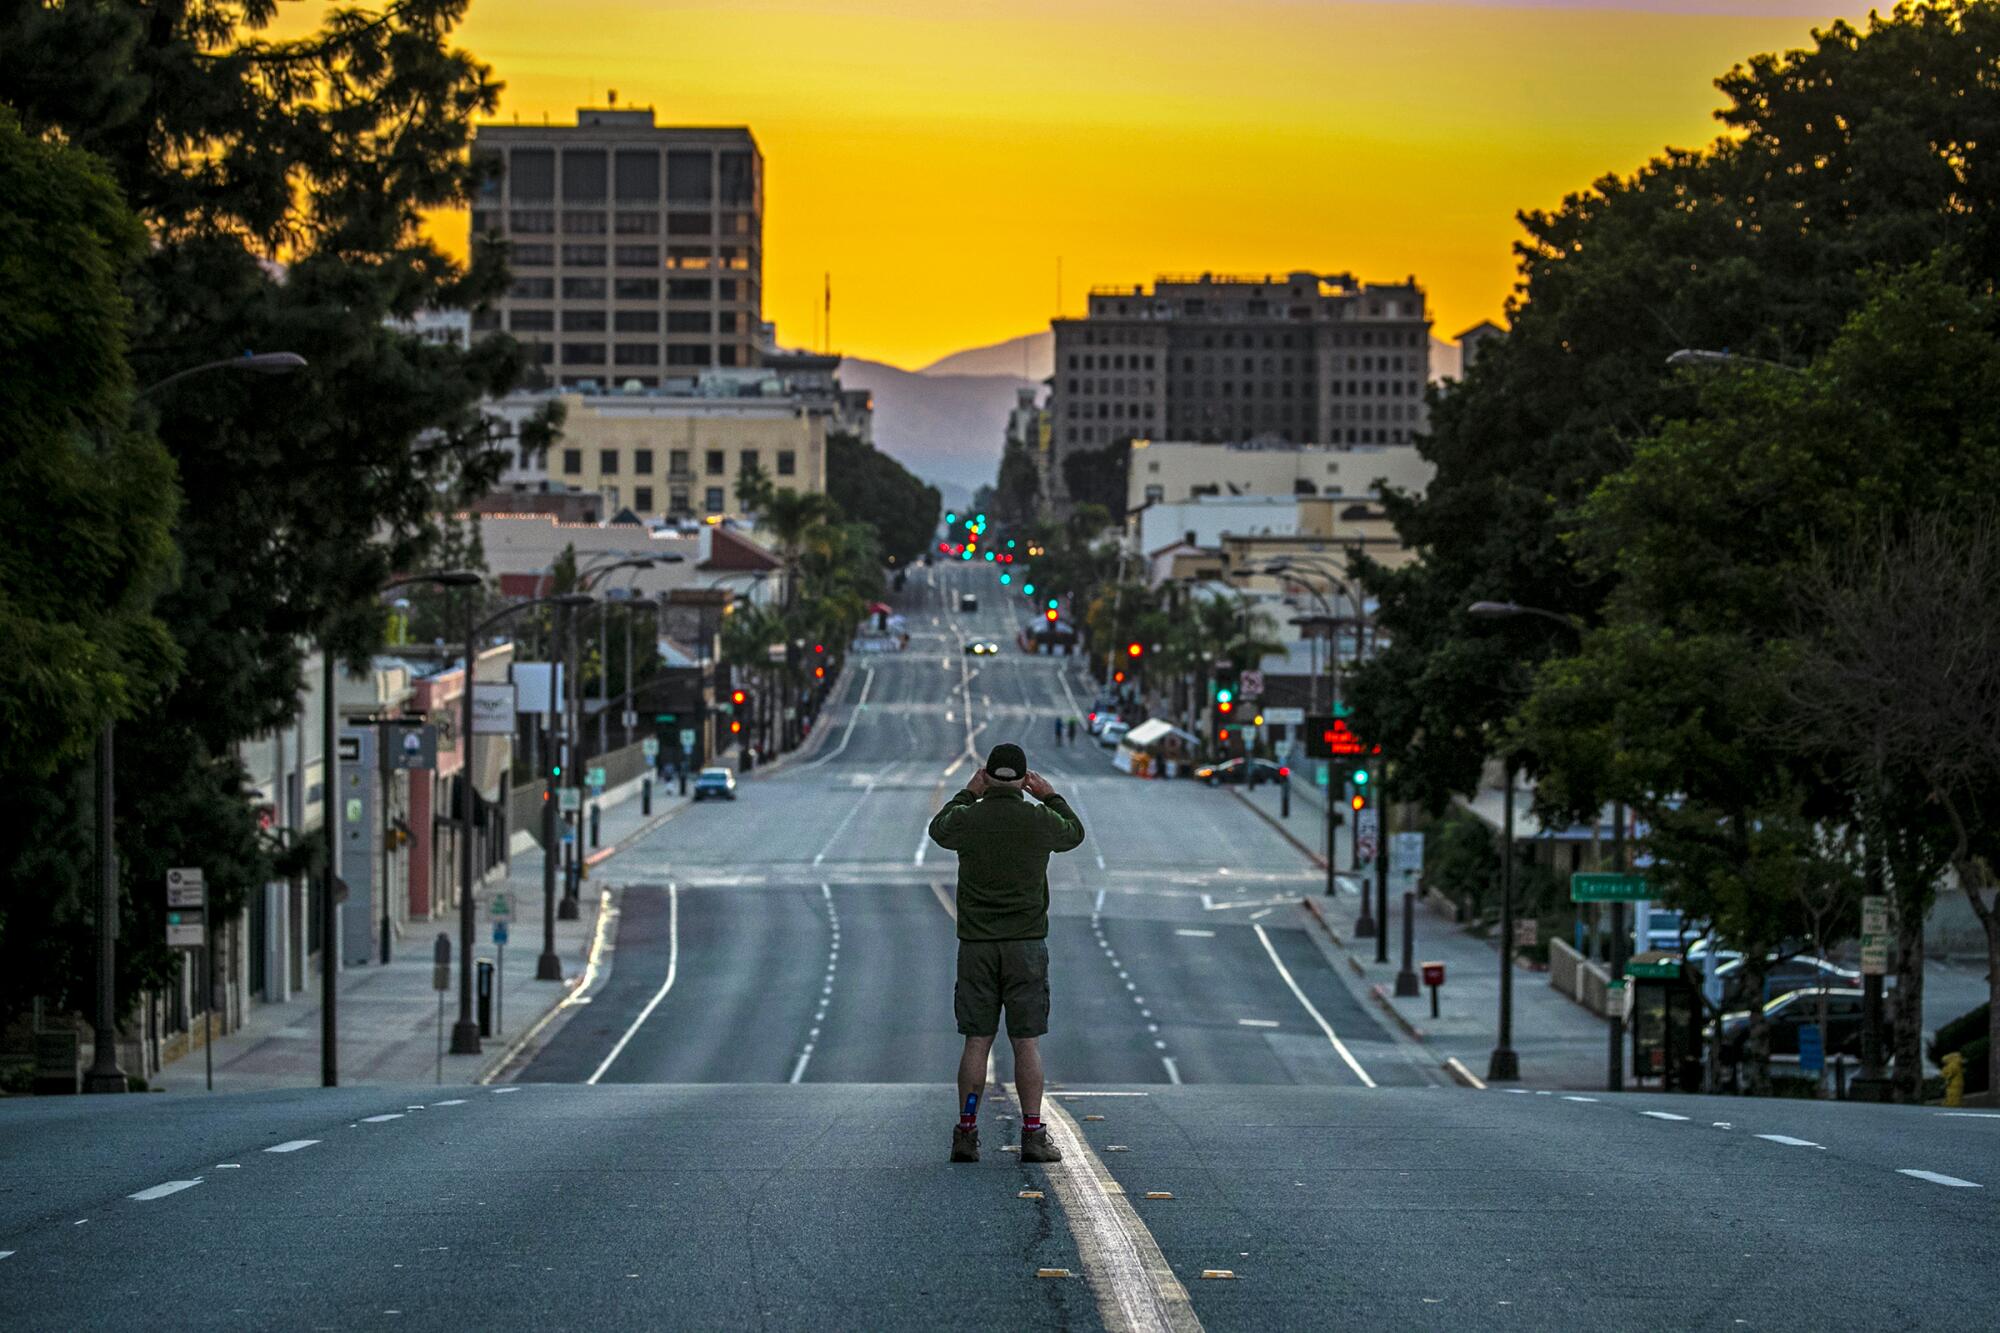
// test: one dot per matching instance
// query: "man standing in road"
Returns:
(1003, 845)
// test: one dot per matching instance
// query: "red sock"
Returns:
(1031, 1124)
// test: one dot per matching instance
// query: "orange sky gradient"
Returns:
(938, 158)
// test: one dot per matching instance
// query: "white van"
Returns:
(1111, 733)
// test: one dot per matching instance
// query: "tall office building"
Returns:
(1305, 358)
(637, 250)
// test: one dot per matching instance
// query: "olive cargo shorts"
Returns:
(996, 973)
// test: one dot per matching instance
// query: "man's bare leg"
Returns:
(972, 1070)
(1027, 1076)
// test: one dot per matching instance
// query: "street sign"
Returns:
(184, 930)
(1527, 932)
(1653, 971)
(595, 778)
(1812, 1051)
(1875, 935)
(414, 745)
(1367, 834)
(185, 888)
(1600, 886)
(571, 800)
(348, 749)
(631, 719)
(500, 906)
(499, 932)
(650, 747)
(687, 737)
(1332, 738)
(493, 707)
(1285, 717)
(1406, 854)
(1250, 685)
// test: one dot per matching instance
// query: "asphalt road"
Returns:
(764, 1145)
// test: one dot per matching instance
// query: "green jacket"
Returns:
(1003, 845)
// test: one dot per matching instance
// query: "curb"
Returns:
(1403, 1021)
(1283, 832)
(574, 992)
(1465, 1077)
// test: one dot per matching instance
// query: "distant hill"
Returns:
(1002, 358)
(946, 428)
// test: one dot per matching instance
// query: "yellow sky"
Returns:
(939, 157)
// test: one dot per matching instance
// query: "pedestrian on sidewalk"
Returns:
(1072, 731)
(1003, 845)
(1059, 731)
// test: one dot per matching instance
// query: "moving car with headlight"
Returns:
(981, 648)
(719, 783)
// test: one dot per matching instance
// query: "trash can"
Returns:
(482, 984)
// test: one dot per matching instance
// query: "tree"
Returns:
(753, 487)
(1017, 492)
(87, 501)
(1900, 678)
(793, 518)
(282, 186)
(871, 487)
(1097, 476)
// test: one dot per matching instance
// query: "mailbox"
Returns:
(1433, 974)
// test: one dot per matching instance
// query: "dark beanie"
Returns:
(1007, 763)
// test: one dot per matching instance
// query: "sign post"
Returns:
(1434, 978)
(1875, 935)
(187, 928)
(1812, 1050)
(501, 908)
(441, 982)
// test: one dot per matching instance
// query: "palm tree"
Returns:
(793, 517)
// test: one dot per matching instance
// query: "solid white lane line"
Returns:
(456, 1101)
(1791, 1142)
(848, 734)
(292, 1145)
(1970, 1115)
(841, 827)
(1317, 1017)
(1936, 1179)
(1066, 1096)
(1662, 1115)
(378, 1119)
(162, 1191)
(498, 1091)
(673, 967)
(1173, 1070)
(5, 1254)
(1257, 1022)
(1196, 934)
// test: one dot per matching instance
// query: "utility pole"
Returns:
(1615, 1021)
(1505, 1065)
(465, 1032)
(549, 966)
(105, 1074)
(329, 804)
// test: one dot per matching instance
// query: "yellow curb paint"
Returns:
(1159, 1194)
(1093, 1117)
(1224, 1274)
(1052, 1272)
(1029, 1194)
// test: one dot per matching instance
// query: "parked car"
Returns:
(1111, 733)
(981, 648)
(1252, 771)
(719, 783)
(1099, 718)
(968, 601)
(1787, 974)
(1795, 1009)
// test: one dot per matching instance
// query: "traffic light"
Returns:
(1359, 801)
(739, 698)
(1134, 650)
(1028, 591)
(819, 673)
(1225, 705)
(1006, 579)
(951, 518)
(1223, 735)
(735, 727)
(1225, 696)
(1117, 678)
(1359, 778)
(1052, 603)
(1051, 614)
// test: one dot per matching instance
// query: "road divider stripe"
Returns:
(1324, 1026)
(1790, 1142)
(291, 1145)
(1662, 1115)
(379, 1119)
(1135, 1287)
(162, 1191)
(1937, 1178)
(673, 968)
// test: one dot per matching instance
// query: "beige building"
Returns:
(636, 249)
(1170, 473)
(675, 456)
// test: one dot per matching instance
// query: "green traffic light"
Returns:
(1052, 603)
(1010, 543)
(1006, 579)
(1028, 591)
(1225, 695)
(951, 518)
(1360, 777)
(989, 555)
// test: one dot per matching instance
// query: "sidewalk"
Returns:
(1559, 1043)
(388, 1015)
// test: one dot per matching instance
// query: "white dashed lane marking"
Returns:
(1579, 1099)
(378, 1119)
(1663, 1115)
(1937, 1179)
(1257, 1022)
(1790, 1142)
(292, 1145)
(161, 1191)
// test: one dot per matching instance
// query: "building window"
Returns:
(725, 356)
(746, 460)
(635, 354)
(531, 174)
(687, 356)
(635, 223)
(607, 462)
(523, 222)
(677, 500)
(690, 224)
(638, 175)
(584, 176)
(638, 256)
(739, 180)
(687, 256)
(688, 321)
(712, 499)
(583, 321)
(583, 256)
(642, 462)
(712, 462)
(572, 462)
(690, 289)
(788, 462)
(583, 224)
(635, 289)
(532, 289)
(583, 354)
(677, 463)
(725, 322)
(642, 498)
(533, 256)
(690, 178)
(636, 321)
(581, 289)
(531, 321)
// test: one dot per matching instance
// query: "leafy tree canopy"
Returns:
(871, 487)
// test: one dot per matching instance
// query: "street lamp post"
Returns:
(105, 1074)
(548, 967)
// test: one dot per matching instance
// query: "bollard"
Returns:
(646, 797)
(1954, 1079)
(595, 813)
(483, 984)
(1285, 799)
(1406, 980)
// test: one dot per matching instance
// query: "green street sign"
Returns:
(1600, 886)
(1653, 971)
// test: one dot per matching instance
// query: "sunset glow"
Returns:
(939, 159)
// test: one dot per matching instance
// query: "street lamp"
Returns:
(105, 1075)
(549, 966)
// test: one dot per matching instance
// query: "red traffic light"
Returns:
(1050, 614)
(819, 673)
(735, 727)
(738, 697)
(1134, 650)
(819, 647)
(1358, 801)
(1224, 735)
(1117, 678)
(1284, 771)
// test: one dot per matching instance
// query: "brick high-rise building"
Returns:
(637, 250)
(1305, 358)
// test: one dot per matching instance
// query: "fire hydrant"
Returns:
(1954, 1079)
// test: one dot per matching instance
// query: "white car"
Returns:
(719, 783)
(1111, 733)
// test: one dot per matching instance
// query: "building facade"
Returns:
(1176, 472)
(636, 249)
(1300, 358)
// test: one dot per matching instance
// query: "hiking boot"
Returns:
(1037, 1146)
(964, 1144)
